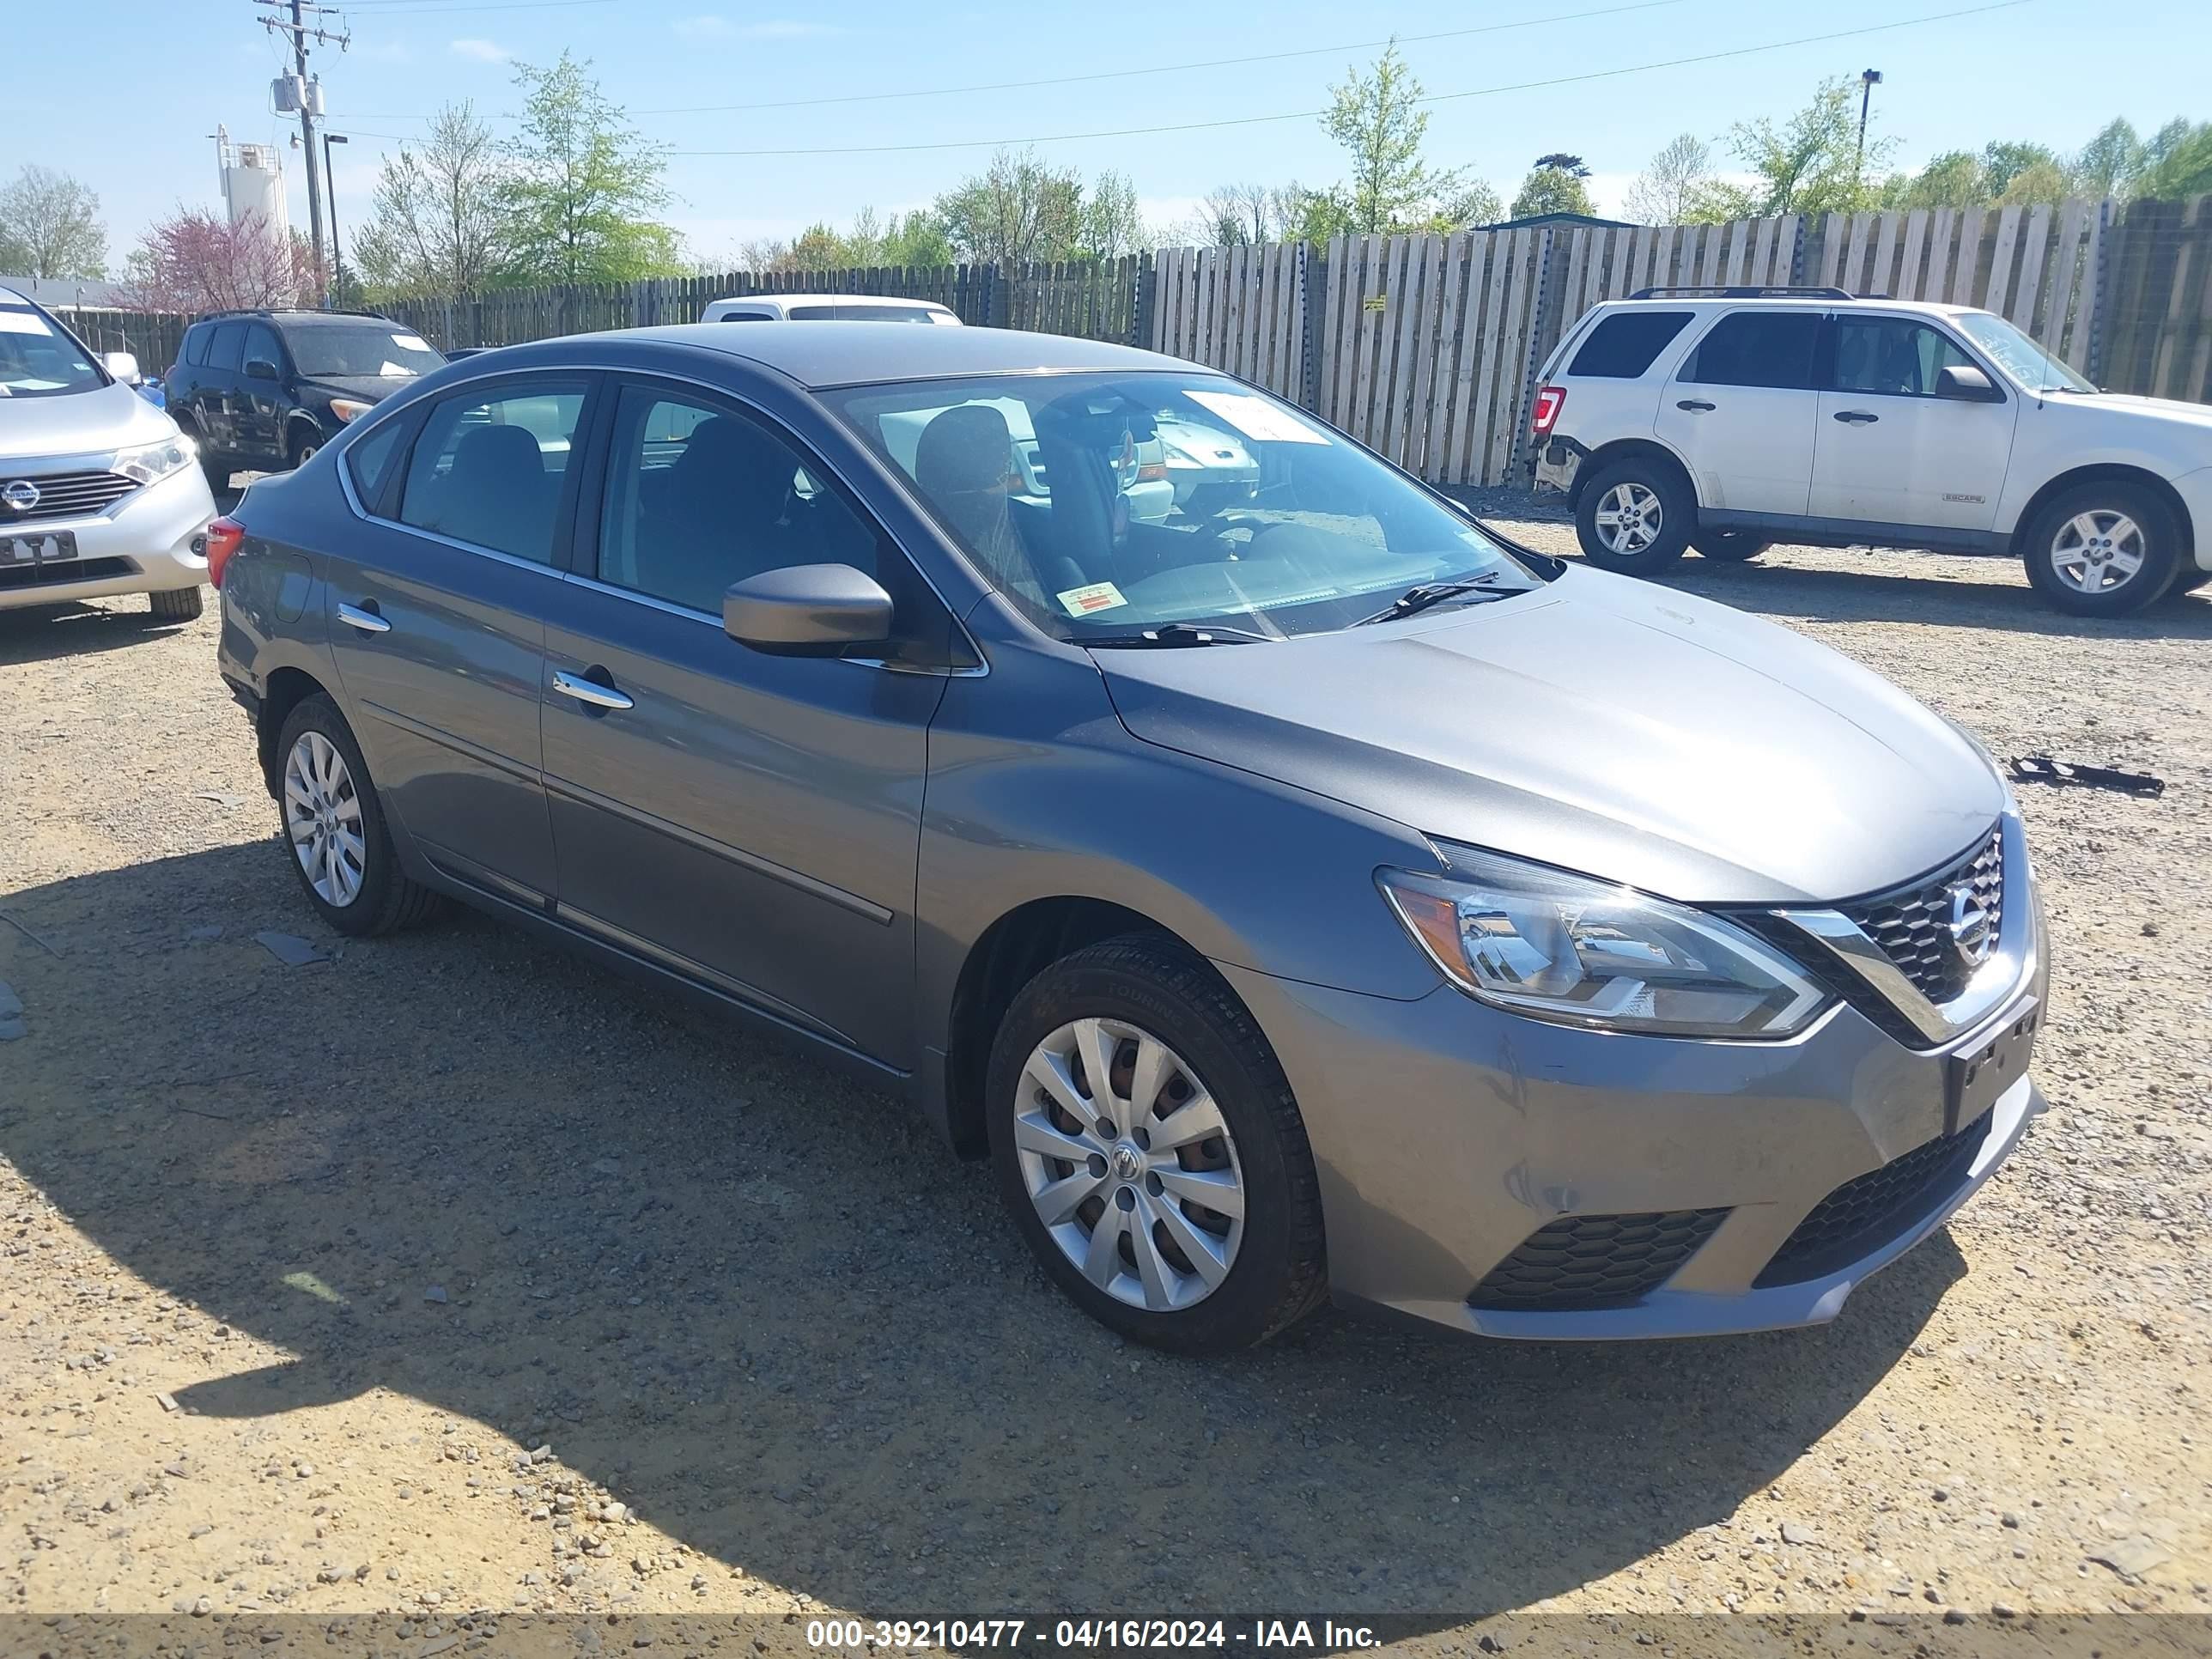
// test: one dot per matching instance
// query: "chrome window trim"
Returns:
(2010, 965)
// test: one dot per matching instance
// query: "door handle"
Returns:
(364, 618)
(1855, 417)
(1695, 405)
(590, 692)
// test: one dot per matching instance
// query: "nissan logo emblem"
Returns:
(1969, 926)
(21, 494)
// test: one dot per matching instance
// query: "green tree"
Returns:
(1018, 209)
(1108, 222)
(50, 227)
(1378, 119)
(2180, 162)
(581, 187)
(2038, 182)
(1554, 185)
(435, 225)
(1808, 164)
(2007, 160)
(1475, 201)
(2109, 162)
(1953, 179)
(1669, 189)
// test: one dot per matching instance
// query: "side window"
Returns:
(228, 349)
(699, 497)
(368, 458)
(196, 345)
(1893, 356)
(1757, 348)
(1626, 344)
(746, 317)
(261, 347)
(488, 469)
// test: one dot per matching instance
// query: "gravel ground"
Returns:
(448, 1272)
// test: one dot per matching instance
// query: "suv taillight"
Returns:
(223, 536)
(1550, 400)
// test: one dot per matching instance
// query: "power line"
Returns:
(1310, 114)
(422, 8)
(1160, 69)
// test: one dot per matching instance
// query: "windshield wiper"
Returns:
(1182, 634)
(1428, 593)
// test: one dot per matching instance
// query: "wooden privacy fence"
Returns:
(1427, 347)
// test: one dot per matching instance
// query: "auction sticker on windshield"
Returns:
(410, 343)
(1082, 601)
(1255, 418)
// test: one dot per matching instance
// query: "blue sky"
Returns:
(127, 111)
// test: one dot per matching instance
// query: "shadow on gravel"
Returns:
(768, 1309)
(2006, 605)
(46, 632)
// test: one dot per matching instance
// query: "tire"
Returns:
(2187, 579)
(1729, 546)
(1668, 510)
(302, 447)
(1265, 1270)
(382, 898)
(178, 605)
(2087, 537)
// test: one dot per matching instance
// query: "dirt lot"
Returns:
(303, 1263)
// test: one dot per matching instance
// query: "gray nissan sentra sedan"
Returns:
(1306, 894)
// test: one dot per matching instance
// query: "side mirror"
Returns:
(807, 611)
(122, 365)
(1965, 384)
(260, 369)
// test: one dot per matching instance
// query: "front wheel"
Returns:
(178, 605)
(1729, 546)
(1149, 1146)
(1635, 517)
(2188, 580)
(2102, 549)
(306, 442)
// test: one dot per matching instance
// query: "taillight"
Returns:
(223, 536)
(1152, 472)
(1550, 400)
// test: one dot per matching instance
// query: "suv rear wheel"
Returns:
(2102, 549)
(1635, 517)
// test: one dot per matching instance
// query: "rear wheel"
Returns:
(1147, 1142)
(1635, 517)
(178, 605)
(1729, 546)
(334, 827)
(2103, 549)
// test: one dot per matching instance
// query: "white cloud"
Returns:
(482, 51)
(710, 25)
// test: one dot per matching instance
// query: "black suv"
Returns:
(261, 391)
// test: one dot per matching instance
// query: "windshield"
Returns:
(860, 314)
(2020, 358)
(1107, 505)
(37, 359)
(377, 351)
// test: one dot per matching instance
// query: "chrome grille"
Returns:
(64, 495)
(1911, 924)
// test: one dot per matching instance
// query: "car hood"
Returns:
(369, 388)
(1600, 724)
(2148, 409)
(79, 424)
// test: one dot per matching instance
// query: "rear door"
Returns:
(1889, 451)
(257, 413)
(214, 395)
(1741, 407)
(438, 626)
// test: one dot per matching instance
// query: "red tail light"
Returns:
(223, 536)
(1550, 400)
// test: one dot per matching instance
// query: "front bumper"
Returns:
(1446, 1133)
(149, 542)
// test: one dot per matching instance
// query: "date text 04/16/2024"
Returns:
(1089, 1635)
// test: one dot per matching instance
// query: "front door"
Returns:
(437, 624)
(1740, 410)
(1889, 451)
(751, 820)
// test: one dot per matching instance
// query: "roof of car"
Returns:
(830, 300)
(819, 355)
(1793, 301)
(292, 315)
(10, 294)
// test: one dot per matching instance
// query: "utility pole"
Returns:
(1869, 80)
(299, 32)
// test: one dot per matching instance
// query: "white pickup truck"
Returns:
(1728, 420)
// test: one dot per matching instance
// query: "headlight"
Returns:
(346, 409)
(1584, 952)
(150, 461)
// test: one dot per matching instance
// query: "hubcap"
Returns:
(1628, 517)
(2097, 552)
(322, 815)
(1129, 1164)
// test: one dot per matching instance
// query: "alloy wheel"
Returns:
(1629, 518)
(322, 815)
(2097, 552)
(1130, 1164)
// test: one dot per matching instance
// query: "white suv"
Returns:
(1729, 419)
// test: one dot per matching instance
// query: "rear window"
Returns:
(369, 459)
(228, 350)
(860, 313)
(195, 343)
(1757, 348)
(1624, 344)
